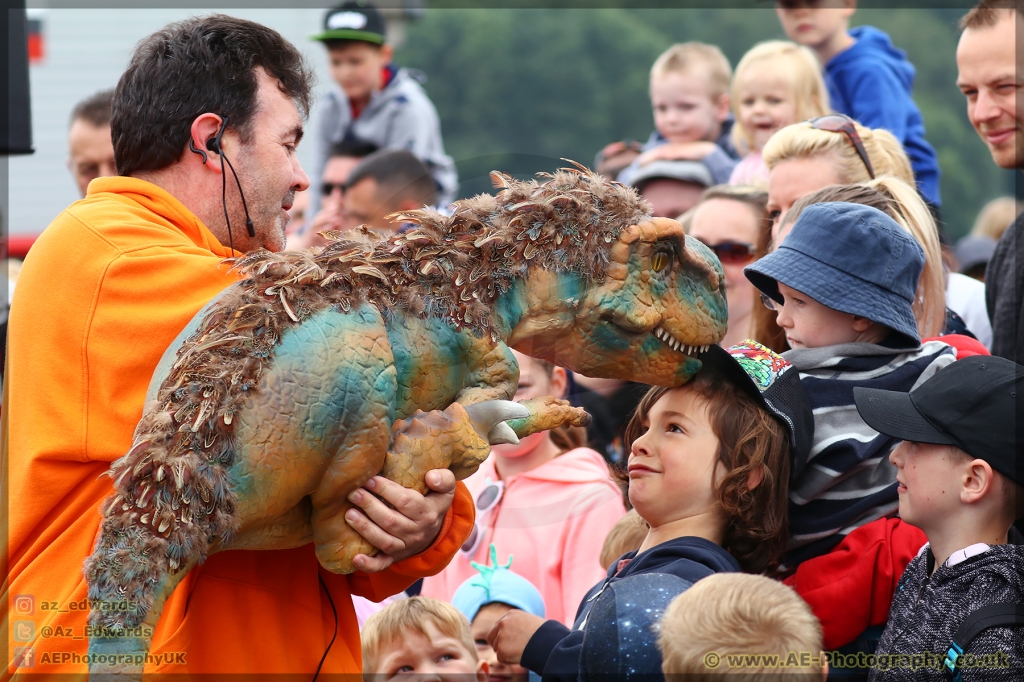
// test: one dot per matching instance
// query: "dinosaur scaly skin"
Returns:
(326, 367)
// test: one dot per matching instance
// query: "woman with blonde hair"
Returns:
(776, 83)
(836, 150)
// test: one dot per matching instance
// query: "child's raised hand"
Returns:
(512, 633)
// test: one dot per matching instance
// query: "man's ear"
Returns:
(482, 670)
(976, 481)
(205, 127)
(386, 53)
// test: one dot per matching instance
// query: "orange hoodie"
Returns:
(104, 291)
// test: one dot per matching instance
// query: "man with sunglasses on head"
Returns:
(991, 70)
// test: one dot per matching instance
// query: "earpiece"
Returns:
(214, 145)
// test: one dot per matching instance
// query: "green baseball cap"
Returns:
(354, 20)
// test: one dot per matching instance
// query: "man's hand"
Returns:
(329, 218)
(406, 528)
(512, 633)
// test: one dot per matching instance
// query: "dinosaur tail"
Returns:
(171, 501)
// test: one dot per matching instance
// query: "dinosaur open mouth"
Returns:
(675, 344)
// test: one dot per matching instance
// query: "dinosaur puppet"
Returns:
(323, 368)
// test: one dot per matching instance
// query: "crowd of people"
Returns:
(833, 494)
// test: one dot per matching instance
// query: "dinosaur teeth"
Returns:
(663, 335)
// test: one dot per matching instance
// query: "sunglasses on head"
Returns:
(485, 502)
(329, 187)
(840, 123)
(734, 253)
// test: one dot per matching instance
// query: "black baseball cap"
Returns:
(972, 403)
(354, 20)
(774, 384)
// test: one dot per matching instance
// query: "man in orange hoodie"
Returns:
(104, 292)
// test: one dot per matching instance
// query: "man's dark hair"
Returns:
(398, 174)
(986, 15)
(191, 67)
(94, 109)
(352, 148)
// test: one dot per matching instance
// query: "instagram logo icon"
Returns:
(24, 604)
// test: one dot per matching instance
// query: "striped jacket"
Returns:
(847, 480)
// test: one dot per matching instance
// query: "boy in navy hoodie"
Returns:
(868, 79)
(375, 101)
(708, 473)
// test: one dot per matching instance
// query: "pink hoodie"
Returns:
(553, 521)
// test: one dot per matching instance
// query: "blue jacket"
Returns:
(554, 650)
(872, 83)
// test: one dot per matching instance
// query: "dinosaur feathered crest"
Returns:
(455, 266)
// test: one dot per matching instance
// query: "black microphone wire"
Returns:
(248, 221)
(224, 199)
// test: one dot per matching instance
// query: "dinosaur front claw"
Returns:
(489, 418)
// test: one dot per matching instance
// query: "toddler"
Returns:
(960, 603)
(376, 102)
(708, 473)
(776, 83)
(484, 599)
(690, 101)
(722, 623)
(421, 636)
(843, 282)
(868, 79)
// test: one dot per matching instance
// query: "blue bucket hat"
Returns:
(497, 584)
(620, 641)
(851, 258)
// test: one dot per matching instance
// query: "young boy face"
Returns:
(814, 22)
(673, 465)
(439, 655)
(486, 617)
(809, 324)
(684, 108)
(356, 67)
(928, 482)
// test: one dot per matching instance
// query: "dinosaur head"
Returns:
(659, 305)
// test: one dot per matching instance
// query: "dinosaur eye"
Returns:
(660, 261)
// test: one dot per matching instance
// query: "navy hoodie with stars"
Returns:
(554, 650)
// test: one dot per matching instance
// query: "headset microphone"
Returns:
(214, 145)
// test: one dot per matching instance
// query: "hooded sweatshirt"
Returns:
(398, 116)
(554, 650)
(871, 82)
(928, 608)
(106, 288)
(552, 520)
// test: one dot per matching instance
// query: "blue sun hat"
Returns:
(620, 641)
(851, 258)
(497, 584)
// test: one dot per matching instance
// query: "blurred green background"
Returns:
(517, 89)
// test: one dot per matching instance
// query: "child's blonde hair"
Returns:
(625, 536)
(736, 613)
(390, 624)
(700, 57)
(995, 217)
(796, 64)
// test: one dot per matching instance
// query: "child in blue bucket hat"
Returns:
(488, 596)
(843, 282)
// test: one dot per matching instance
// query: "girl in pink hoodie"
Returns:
(547, 501)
